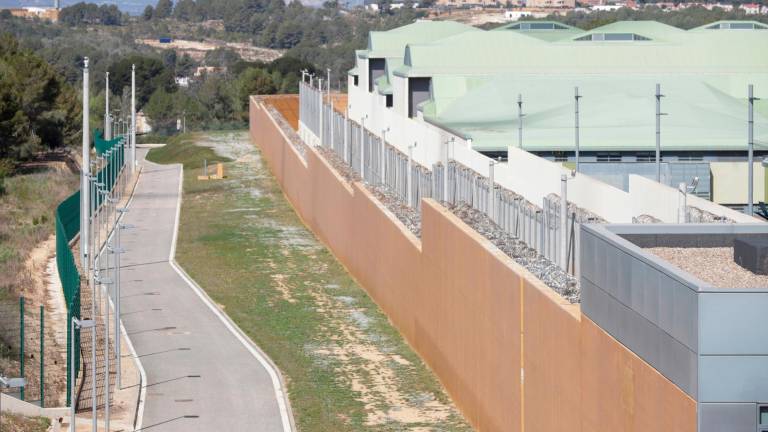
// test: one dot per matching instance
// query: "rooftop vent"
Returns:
(537, 26)
(738, 26)
(612, 37)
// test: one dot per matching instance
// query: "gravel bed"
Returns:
(697, 215)
(549, 273)
(582, 215)
(645, 219)
(714, 266)
(408, 216)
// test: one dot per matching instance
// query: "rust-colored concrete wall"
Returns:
(512, 353)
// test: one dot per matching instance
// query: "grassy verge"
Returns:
(347, 368)
(19, 423)
(27, 218)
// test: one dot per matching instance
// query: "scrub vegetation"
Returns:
(347, 368)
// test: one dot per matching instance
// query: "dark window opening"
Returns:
(355, 80)
(560, 156)
(418, 92)
(609, 157)
(389, 101)
(762, 417)
(376, 69)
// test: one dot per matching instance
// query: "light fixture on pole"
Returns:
(133, 117)
(107, 119)
(750, 148)
(658, 132)
(80, 325)
(576, 98)
(520, 121)
(85, 173)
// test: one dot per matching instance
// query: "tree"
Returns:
(163, 9)
(149, 12)
(151, 74)
(184, 65)
(37, 109)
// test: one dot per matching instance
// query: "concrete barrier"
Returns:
(512, 353)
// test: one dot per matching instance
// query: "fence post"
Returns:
(320, 111)
(383, 155)
(409, 176)
(21, 337)
(362, 146)
(42, 357)
(347, 157)
(491, 191)
(563, 220)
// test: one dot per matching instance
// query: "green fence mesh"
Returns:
(67, 227)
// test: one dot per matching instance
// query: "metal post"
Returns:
(520, 121)
(682, 211)
(576, 98)
(21, 340)
(445, 168)
(491, 190)
(330, 106)
(118, 360)
(382, 165)
(750, 147)
(409, 176)
(72, 377)
(362, 146)
(94, 424)
(347, 157)
(133, 117)
(106, 352)
(107, 117)
(658, 132)
(42, 357)
(85, 173)
(320, 111)
(563, 221)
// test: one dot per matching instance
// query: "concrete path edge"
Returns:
(278, 383)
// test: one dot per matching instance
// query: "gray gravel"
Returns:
(714, 266)
(552, 275)
(697, 215)
(408, 216)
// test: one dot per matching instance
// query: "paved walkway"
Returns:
(200, 374)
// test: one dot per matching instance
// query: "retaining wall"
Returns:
(512, 353)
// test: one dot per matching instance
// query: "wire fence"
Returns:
(381, 164)
(108, 165)
(28, 349)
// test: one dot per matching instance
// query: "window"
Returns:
(376, 69)
(388, 101)
(762, 415)
(354, 80)
(646, 157)
(609, 157)
(612, 37)
(418, 92)
(560, 157)
(690, 158)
